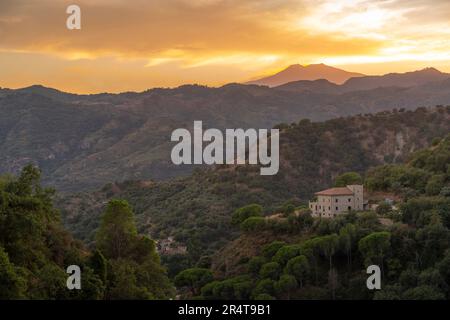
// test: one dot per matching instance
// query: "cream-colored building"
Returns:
(334, 201)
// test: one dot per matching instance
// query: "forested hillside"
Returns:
(35, 250)
(117, 137)
(196, 210)
(233, 250)
(296, 256)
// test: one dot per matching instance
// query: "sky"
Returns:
(134, 45)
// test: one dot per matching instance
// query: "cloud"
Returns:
(151, 28)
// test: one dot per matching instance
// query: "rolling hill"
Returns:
(408, 79)
(85, 141)
(196, 209)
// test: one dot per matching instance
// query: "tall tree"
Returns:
(12, 285)
(299, 268)
(328, 244)
(347, 235)
(374, 247)
(34, 248)
(241, 214)
(117, 230)
(286, 284)
(194, 279)
(348, 178)
(134, 269)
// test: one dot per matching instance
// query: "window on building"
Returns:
(349, 208)
(349, 200)
(337, 208)
(337, 200)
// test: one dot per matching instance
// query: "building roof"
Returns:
(342, 191)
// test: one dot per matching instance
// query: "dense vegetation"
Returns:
(306, 258)
(234, 249)
(197, 210)
(35, 250)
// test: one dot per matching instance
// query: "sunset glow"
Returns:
(136, 45)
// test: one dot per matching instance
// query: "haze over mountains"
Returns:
(298, 72)
(400, 80)
(84, 141)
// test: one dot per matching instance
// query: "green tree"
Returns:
(194, 279)
(432, 277)
(444, 267)
(134, 269)
(329, 244)
(264, 296)
(374, 247)
(388, 293)
(12, 285)
(423, 293)
(288, 209)
(34, 247)
(255, 264)
(286, 285)
(408, 278)
(445, 191)
(347, 235)
(264, 286)
(348, 178)
(383, 208)
(241, 214)
(285, 253)
(50, 283)
(99, 264)
(432, 242)
(208, 290)
(123, 282)
(253, 224)
(435, 184)
(269, 250)
(117, 230)
(93, 288)
(299, 268)
(270, 270)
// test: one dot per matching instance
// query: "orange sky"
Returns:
(138, 44)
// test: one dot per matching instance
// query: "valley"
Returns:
(196, 209)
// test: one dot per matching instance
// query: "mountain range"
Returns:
(85, 141)
(321, 78)
(297, 72)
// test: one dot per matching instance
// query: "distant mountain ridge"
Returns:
(318, 86)
(408, 79)
(84, 141)
(297, 72)
(400, 80)
(199, 206)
